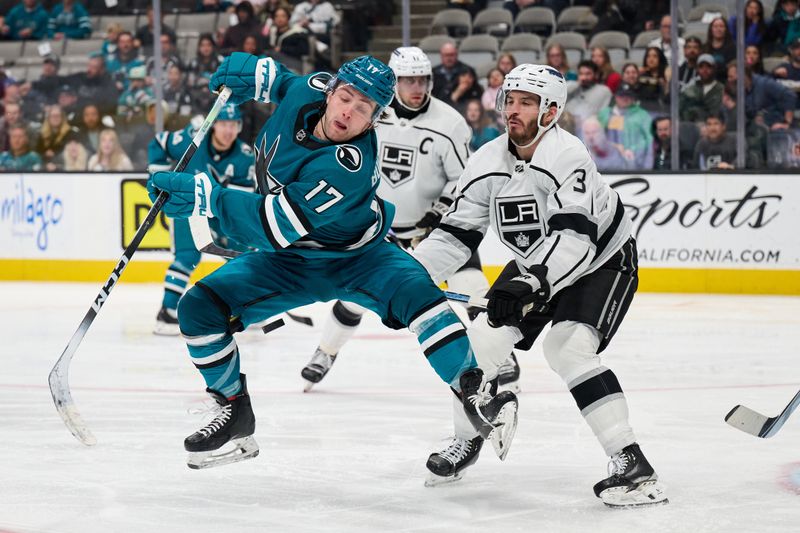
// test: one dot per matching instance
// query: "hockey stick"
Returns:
(758, 425)
(483, 303)
(59, 375)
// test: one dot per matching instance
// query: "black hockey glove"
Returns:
(511, 300)
(434, 215)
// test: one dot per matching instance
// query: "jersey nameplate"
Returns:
(397, 163)
(518, 223)
(349, 157)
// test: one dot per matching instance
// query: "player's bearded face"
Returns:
(413, 90)
(522, 114)
(348, 114)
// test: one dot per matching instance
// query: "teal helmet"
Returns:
(369, 76)
(229, 112)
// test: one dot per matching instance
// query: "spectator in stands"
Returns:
(54, 134)
(90, 126)
(19, 158)
(755, 134)
(317, 16)
(144, 35)
(123, 60)
(206, 6)
(627, 125)
(95, 86)
(131, 103)
(720, 45)
(752, 58)
(717, 149)
(653, 80)
(494, 81)
(109, 47)
(784, 27)
(589, 96)
(702, 97)
(791, 69)
(483, 129)
(176, 94)
(74, 158)
(465, 90)
(515, 6)
(268, 13)
(557, 58)
(506, 62)
(286, 43)
(68, 101)
(616, 15)
(605, 71)
(767, 102)
(605, 155)
(12, 116)
(248, 25)
(687, 71)
(200, 70)
(69, 20)
(471, 6)
(446, 76)
(45, 89)
(169, 57)
(26, 20)
(140, 134)
(251, 46)
(664, 41)
(755, 25)
(110, 156)
(662, 143)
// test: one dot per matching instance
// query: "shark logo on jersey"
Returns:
(397, 163)
(349, 157)
(266, 182)
(518, 223)
(319, 81)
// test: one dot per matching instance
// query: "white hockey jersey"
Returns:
(555, 210)
(421, 155)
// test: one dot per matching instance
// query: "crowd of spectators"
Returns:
(103, 118)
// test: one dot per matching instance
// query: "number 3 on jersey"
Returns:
(330, 191)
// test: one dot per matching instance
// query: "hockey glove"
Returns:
(238, 73)
(188, 194)
(509, 301)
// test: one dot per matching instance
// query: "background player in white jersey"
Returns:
(574, 262)
(422, 151)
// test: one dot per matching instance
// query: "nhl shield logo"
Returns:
(397, 163)
(518, 223)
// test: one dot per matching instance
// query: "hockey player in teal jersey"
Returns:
(228, 161)
(320, 232)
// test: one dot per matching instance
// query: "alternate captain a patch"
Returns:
(397, 163)
(518, 223)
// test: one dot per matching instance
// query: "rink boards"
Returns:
(720, 233)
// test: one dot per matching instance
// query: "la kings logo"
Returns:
(518, 223)
(397, 163)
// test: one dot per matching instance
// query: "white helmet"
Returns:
(542, 80)
(410, 61)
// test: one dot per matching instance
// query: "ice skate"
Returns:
(495, 417)
(448, 465)
(632, 481)
(233, 423)
(508, 375)
(317, 368)
(167, 322)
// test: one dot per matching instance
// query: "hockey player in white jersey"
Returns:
(422, 151)
(574, 261)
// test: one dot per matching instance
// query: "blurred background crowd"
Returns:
(77, 78)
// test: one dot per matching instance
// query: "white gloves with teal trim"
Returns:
(189, 195)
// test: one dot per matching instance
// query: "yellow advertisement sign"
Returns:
(135, 205)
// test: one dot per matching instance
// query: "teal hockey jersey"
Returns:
(318, 199)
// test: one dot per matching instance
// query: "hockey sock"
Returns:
(444, 341)
(217, 359)
(175, 282)
(340, 326)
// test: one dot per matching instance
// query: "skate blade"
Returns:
(647, 493)
(244, 448)
(434, 480)
(308, 385)
(167, 330)
(504, 429)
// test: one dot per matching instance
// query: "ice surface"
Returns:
(350, 456)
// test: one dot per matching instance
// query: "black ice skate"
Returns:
(449, 464)
(508, 375)
(317, 368)
(494, 417)
(234, 422)
(632, 482)
(166, 322)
